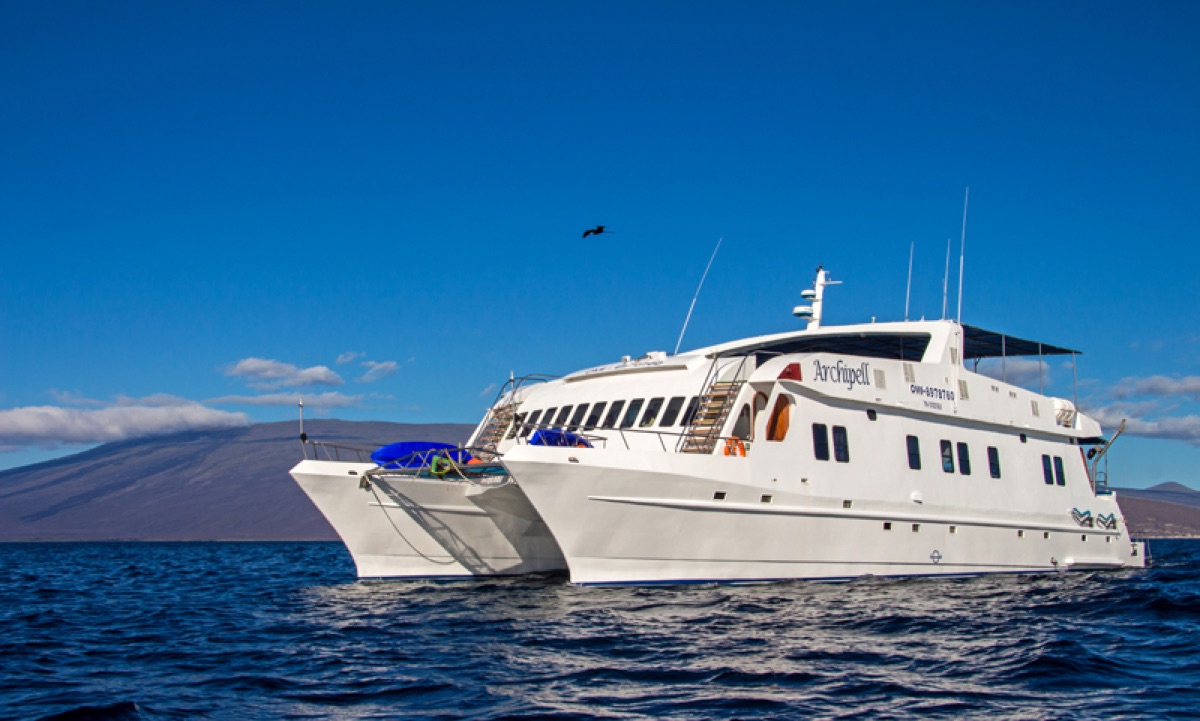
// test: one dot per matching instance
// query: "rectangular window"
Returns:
(593, 418)
(563, 414)
(964, 459)
(689, 413)
(516, 426)
(548, 418)
(947, 457)
(1046, 472)
(531, 424)
(652, 409)
(914, 453)
(635, 407)
(994, 461)
(821, 441)
(841, 445)
(577, 419)
(1059, 477)
(610, 420)
(672, 411)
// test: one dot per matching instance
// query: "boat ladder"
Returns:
(715, 405)
(498, 424)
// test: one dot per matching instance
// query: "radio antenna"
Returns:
(908, 289)
(946, 279)
(962, 251)
(693, 305)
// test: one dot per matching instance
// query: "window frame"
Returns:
(913, 445)
(1060, 474)
(1047, 471)
(593, 419)
(964, 459)
(614, 414)
(947, 451)
(841, 451)
(993, 454)
(653, 409)
(820, 433)
(631, 413)
(671, 412)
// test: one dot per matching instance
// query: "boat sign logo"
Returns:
(936, 556)
(1083, 518)
(840, 372)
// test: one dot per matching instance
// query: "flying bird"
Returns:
(599, 229)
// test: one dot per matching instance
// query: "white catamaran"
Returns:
(826, 453)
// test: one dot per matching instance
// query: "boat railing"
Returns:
(484, 468)
(323, 451)
(668, 441)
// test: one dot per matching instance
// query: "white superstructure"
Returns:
(829, 453)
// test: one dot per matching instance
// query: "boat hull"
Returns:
(407, 527)
(638, 518)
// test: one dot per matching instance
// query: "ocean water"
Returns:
(285, 631)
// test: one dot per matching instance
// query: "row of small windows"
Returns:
(619, 415)
(947, 451)
(841, 443)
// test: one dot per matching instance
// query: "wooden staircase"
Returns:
(712, 411)
(496, 427)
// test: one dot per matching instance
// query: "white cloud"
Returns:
(154, 400)
(347, 357)
(329, 399)
(487, 391)
(1024, 372)
(70, 398)
(1176, 428)
(271, 374)
(376, 371)
(54, 425)
(1159, 386)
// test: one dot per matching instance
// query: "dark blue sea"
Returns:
(285, 631)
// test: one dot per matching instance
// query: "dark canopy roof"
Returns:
(895, 346)
(980, 343)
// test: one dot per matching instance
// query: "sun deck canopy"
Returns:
(892, 346)
(980, 343)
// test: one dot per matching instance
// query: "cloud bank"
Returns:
(268, 374)
(1151, 407)
(49, 426)
(329, 399)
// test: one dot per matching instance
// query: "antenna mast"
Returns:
(693, 305)
(908, 289)
(962, 251)
(946, 279)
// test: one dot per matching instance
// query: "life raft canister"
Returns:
(735, 447)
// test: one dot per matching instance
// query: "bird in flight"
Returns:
(599, 229)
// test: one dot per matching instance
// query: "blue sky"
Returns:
(210, 208)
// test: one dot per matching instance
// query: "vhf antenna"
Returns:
(908, 288)
(962, 251)
(693, 305)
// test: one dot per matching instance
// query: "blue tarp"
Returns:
(414, 454)
(556, 437)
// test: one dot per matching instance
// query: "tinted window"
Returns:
(635, 406)
(531, 423)
(1059, 476)
(964, 459)
(994, 462)
(741, 429)
(841, 445)
(548, 418)
(821, 441)
(914, 453)
(593, 418)
(563, 413)
(1046, 472)
(652, 409)
(576, 419)
(689, 413)
(614, 413)
(947, 457)
(672, 411)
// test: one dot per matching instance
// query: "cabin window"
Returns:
(914, 453)
(531, 423)
(689, 413)
(1059, 477)
(652, 409)
(994, 461)
(577, 419)
(821, 441)
(635, 407)
(593, 418)
(516, 426)
(841, 445)
(777, 424)
(614, 413)
(947, 457)
(871, 414)
(563, 414)
(1046, 472)
(741, 429)
(672, 411)
(548, 419)
(964, 459)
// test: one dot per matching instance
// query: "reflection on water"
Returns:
(283, 631)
